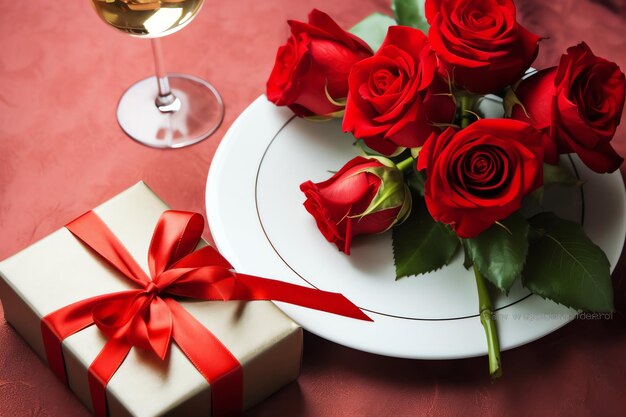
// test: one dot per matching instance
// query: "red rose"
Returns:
(481, 46)
(313, 64)
(366, 196)
(395, 97)
(479, 175)
(578, 105)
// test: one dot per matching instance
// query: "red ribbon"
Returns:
(149, 318)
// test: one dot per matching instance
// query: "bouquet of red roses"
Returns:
(433, 167)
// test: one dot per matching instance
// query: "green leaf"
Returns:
(415, 180)
(373, 29)
(467, 260)
(420, 244)
(555, 175)
(538, 194)
(558, 174)
(409, 13)
(499, 252)
(565, 266)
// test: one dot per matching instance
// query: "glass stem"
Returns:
(166, 101)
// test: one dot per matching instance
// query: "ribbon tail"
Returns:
(211, 358)
(102, 369)
(268, 289)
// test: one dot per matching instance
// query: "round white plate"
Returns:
(255, 213)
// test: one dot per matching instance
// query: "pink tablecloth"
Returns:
(61, 153)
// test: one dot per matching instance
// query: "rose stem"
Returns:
(406, 164)
(465, 105)
(489, 324)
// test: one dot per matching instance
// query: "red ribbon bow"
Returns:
(148, 318)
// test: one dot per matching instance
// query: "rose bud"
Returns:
(478, 175)
(310, 74)
(480, 45)
(395, 100)
(578, 105)
(366, 196)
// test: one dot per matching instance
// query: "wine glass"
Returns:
(166, 110)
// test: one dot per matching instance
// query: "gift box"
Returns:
(60, 270)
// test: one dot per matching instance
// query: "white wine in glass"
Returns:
(169, 110)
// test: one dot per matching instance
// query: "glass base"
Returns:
(196, 117)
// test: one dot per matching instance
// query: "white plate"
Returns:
(255, 213)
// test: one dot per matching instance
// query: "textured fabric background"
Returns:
(61, 153)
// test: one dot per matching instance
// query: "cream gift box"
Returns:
(58, 270)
